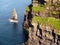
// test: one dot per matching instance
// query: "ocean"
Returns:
(10, 33)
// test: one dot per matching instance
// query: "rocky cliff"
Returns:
(39, 34)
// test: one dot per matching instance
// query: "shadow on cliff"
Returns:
(40, 30)
(30, 12)
(28, 24)
(30, 16)
(41, 1)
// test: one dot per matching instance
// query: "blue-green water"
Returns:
(11, 34)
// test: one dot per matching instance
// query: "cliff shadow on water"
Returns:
(26, 35)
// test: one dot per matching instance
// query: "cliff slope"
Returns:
(41, 32)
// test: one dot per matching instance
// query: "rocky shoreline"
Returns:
(39, 34)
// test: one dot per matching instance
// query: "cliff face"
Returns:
(39, 34)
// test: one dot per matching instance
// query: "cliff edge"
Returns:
(40, 23)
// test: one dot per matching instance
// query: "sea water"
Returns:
(10, 33)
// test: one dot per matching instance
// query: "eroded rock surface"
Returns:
(42, 35)
(39, 34)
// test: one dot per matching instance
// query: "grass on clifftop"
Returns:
(49, 21)
(36, 8)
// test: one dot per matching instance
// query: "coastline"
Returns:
(39, 34)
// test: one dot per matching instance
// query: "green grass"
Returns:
(36, 8)
(54, 12)
(27, 8)
(49, 21)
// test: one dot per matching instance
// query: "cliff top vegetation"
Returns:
(51, 21)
